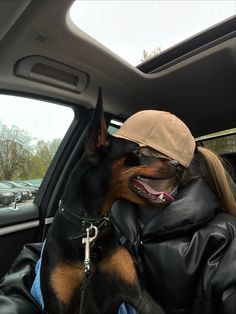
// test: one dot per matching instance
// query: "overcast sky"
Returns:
(126, 27)
(42, 120)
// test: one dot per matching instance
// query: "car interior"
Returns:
(43, 55)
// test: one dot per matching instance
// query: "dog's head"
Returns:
(117, 167)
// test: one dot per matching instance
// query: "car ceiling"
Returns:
(199, 87)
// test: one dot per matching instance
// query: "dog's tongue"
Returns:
(145, 187)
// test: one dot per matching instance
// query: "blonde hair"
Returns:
(213, 170)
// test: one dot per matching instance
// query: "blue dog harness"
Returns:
(36, 289)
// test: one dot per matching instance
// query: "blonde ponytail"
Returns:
(218, 178)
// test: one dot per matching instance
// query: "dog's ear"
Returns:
(97, 139)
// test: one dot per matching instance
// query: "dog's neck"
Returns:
(82, 196)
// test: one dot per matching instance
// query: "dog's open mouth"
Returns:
(146, 191)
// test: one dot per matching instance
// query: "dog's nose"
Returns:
(175, 163)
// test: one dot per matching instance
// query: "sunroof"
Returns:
(135, 30)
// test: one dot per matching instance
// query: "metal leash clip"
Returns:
(87, 242)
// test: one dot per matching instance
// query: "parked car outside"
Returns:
(17, 194)
(6, 197)
(34, 182)
(23, 184)
(24, 192)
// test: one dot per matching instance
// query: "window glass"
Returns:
(220, 142)
(114, 126)
(222, 145)
(138, 30)
(30, 134)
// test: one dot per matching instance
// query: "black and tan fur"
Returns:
(99, 178)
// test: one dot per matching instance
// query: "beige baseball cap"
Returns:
(161, 131)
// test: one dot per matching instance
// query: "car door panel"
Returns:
(17, 227)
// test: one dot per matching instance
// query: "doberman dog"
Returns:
(84, 268)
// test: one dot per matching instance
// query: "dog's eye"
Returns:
(137, 153)
(132, 158)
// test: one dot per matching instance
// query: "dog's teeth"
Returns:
(161, 196)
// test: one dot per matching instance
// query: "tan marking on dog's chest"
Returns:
(64, 280)
(120, 263)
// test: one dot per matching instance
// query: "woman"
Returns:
(185, 245)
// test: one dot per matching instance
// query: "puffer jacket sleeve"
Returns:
(224, 280)
(15, 297)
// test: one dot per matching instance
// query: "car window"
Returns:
(224, 144)
(220, 142)
(114, 125)
(141, 29)
(30, 133)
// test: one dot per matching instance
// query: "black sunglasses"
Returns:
(146, 152)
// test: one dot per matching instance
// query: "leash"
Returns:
(87, 246)
(83, 289)
(94, 226)
(87, 241)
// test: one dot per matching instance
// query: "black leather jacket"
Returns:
(186, 255)
(15, 297)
